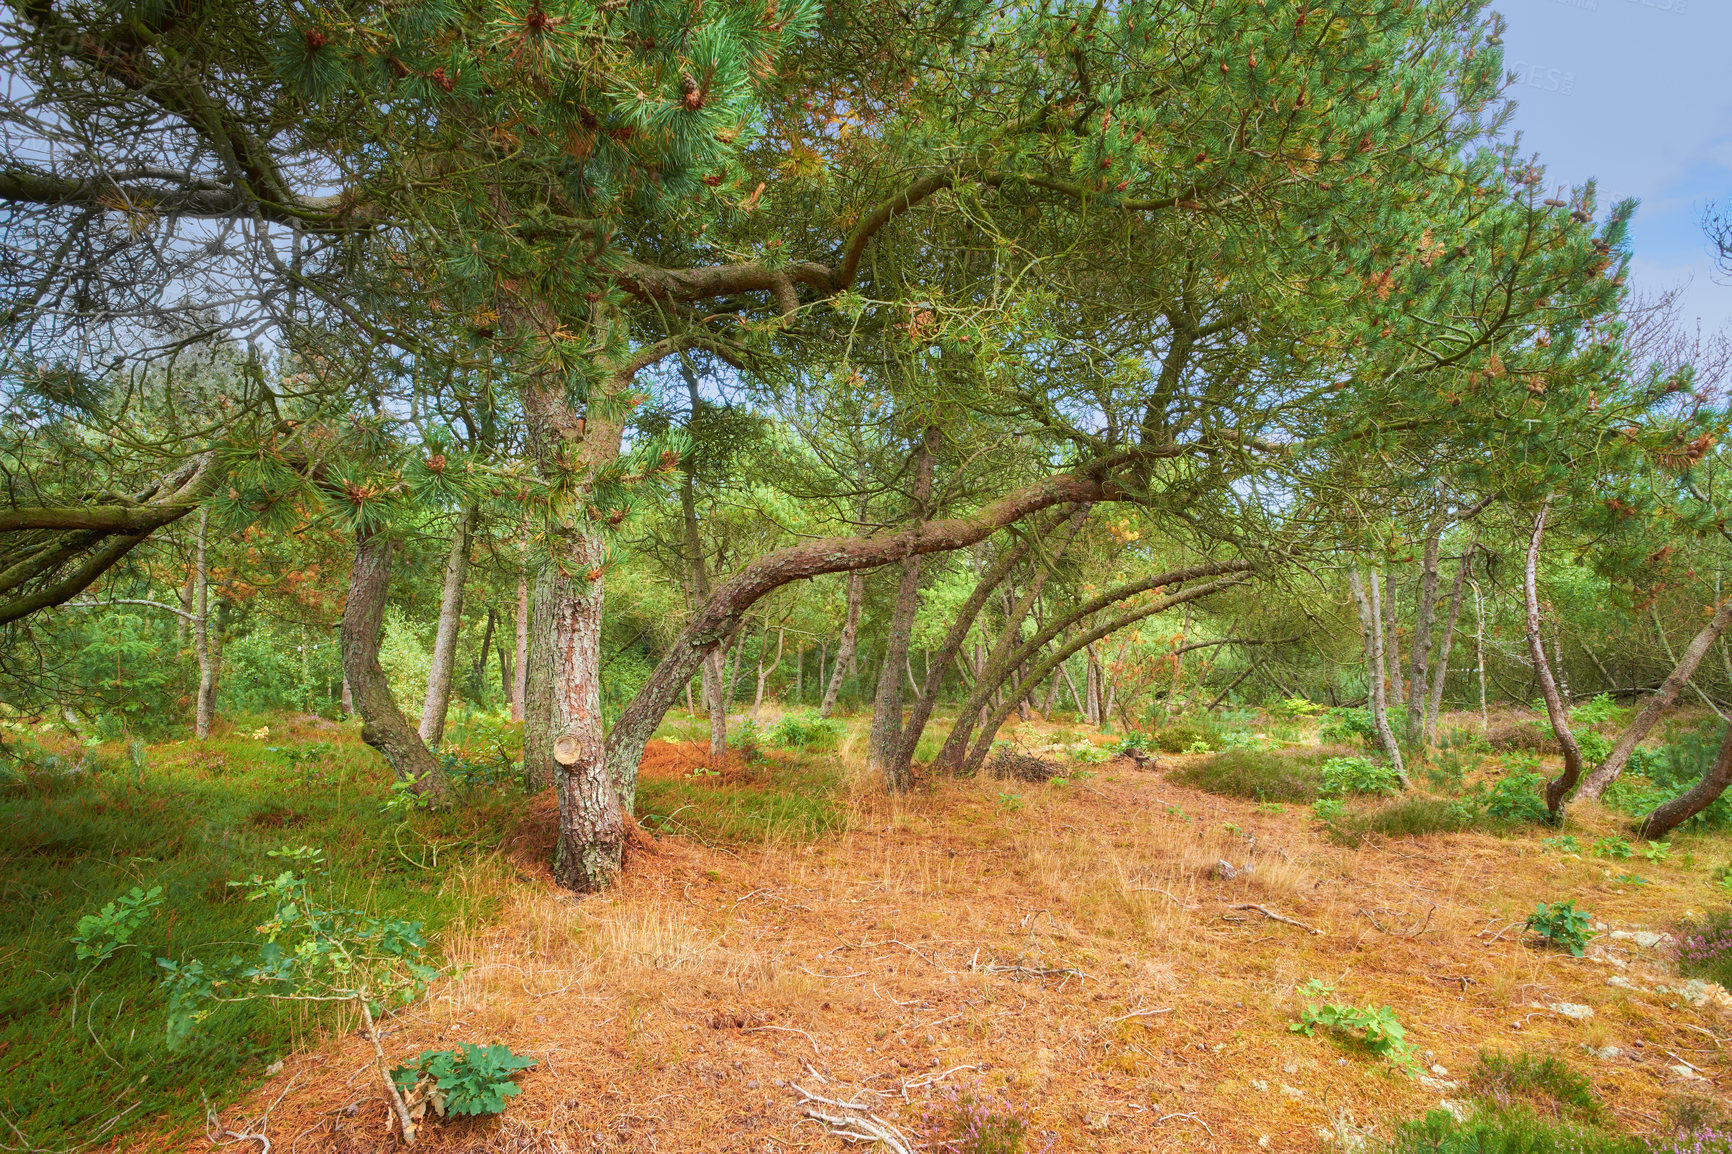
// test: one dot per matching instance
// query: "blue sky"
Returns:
(1635, 93)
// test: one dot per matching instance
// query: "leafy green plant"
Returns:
(1593, 746)
(469, 1081)
(1199, 746)
(1182, 737)
(1657, 851)
(1595, 712)
(98, 936)
(1563, 843)
(1563, 925)
(748, 738)
(1341, 725)
(1516, 797)
(1357, 775)
(1134, 740)
(1328, 809)
(1613, 847)
(1010, 801)
(1296, 707)
(1091, 755)
(1375, 1027)
(806, 731)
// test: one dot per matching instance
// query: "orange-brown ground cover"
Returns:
(1064, 948)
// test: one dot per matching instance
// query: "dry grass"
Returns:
(1068, 943)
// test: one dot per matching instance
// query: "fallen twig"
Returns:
(1165, 894)
(1191, 1117)
(916, 1083)
(1139, 1014)
(1275, 917)
(852, 1121)
(786, 1030)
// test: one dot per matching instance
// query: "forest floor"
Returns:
(1064, 949)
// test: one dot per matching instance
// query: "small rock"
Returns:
(1574, 1010)
(1223, 871)
(274, 1068)
(1099, 1123)
(1263, 1141)
(1290, 1067)
(1436, 1085)
(1699, 993)
(1259, 1085)
(1292, 1093)
(1341, 1061)
(1440, 1071)
(752, 1085)
(1457, 1110)
(1624, 983)
(1607, 1053)
(1645, 939)
(1686, 1073)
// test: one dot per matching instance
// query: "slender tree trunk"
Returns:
(733, 670)
(1596, 782)
(1666, 644)
(845, 647)
(1447, 642)
(1371, 626)
(439, 673)
(537, 677)
(799, 674)
(765, 674)
(383, 725)
(1391, 640)
(1419, 696)
(884, 741)
(520, 660)
(478, 671)
(1681, 809)
(206, 703)
(1559, 788)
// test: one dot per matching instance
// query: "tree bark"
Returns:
(1419, 695)
(765, 674)
(845, 646)
(1596, 782)
(1559, 787)
(884, 741)
(205, 708)
(1371, 627)
(383, 725)
(1682, 808)
(438, 701)
(698, 591)
(1390, 632)
(520, 656)
(1440, 675)
(537, 678)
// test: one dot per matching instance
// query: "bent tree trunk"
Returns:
(1371, 627)
(884, 742)
(1559, 787)
(438, 702)
(850, 638)
(383, 725)
(1608, 772)
(1700, 796)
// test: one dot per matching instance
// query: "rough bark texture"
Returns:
(383, 725)
(205, 708)
(1440, 676)
(1596, 782)
(884, 742)
(1042, 668)
(845, 646)
(520, 657)
(1559, 787)
(538, 678)
(1419, 695)
(1371, 627)
(438, 700)
(723, 611)
(1700, 796)
(591, 813)
(1390, 638)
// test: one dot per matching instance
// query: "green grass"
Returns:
(1547, 1085)
(81, 1044)
(1260, 775)
(793, 798)
(1507, 1132)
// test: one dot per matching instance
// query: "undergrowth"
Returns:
(795, 800)
(1259, 775)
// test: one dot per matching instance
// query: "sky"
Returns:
(1635, 94)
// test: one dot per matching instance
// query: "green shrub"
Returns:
(748, 738)
(807, 732)
(1374, 1027)
(1563, 925)
(1134, 740)
(1705, 947)
(1296, 707)
(1418, 816)
(1613, 847)
(1545, 1084)
(1179, 737)
(1342, 725)
(473, 1080)
(1260, 775)
(1655, 776)
(1516, 797)
(97, 936)
(1508, 1132)
(1593, 746)
(1601, 709)
(1345, 775)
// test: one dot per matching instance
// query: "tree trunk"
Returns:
(1441, 674)
(206, 703)
(1391, 641)
(884, 741)
(520, 660)
(1608, 772)
(383, 725)
(845, 647)
(1700, 796)
(765, 674)
(1419, 695)
(799, 674)
(1371, 627)
(733, 670)
(478, 672)
(537, 678)
(1559, 787)
(438, 700)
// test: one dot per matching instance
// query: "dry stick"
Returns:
(1275, 917)
(859, 1126)
(1139, 1014)
(786, 1030)
(397, 1104)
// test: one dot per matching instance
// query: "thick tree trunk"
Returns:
(520, 656)
(1700, 796)
(845, 646)
(884, 741)
(1559, 788)
(1371, 626)
(1596, 782)
(1441, 674)
(205, 707)
(438, 700)
(1419, 695)
(383, 725)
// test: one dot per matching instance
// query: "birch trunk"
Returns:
(1419, 695)
(205, 708)
(1440, 676)
(1390, 639)
(538, 678)
(845, 647)
(1371, 627)
(765, 674)
(439, 673)
(1559, 787)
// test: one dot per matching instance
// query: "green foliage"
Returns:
(1594, 747)
(800, 802)
(1296, 707)
(1655, 776)
(1516, 797)
(1180, 737)
(1134, 740)
(1091, 754)
(1375, 1027)
(1613, 847)
(1418, 816)
(1342, 725)
(273, 667)
(1543, 1083)
(99, 935)
(1563, 843)
(125, 664)
(1507, 1132)
(472, 1080)
(1705, 946)
(1596, 712)
(807, 732)
(1355, 775)
(1259, 775)
(1657, 851)
(1563, 925)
